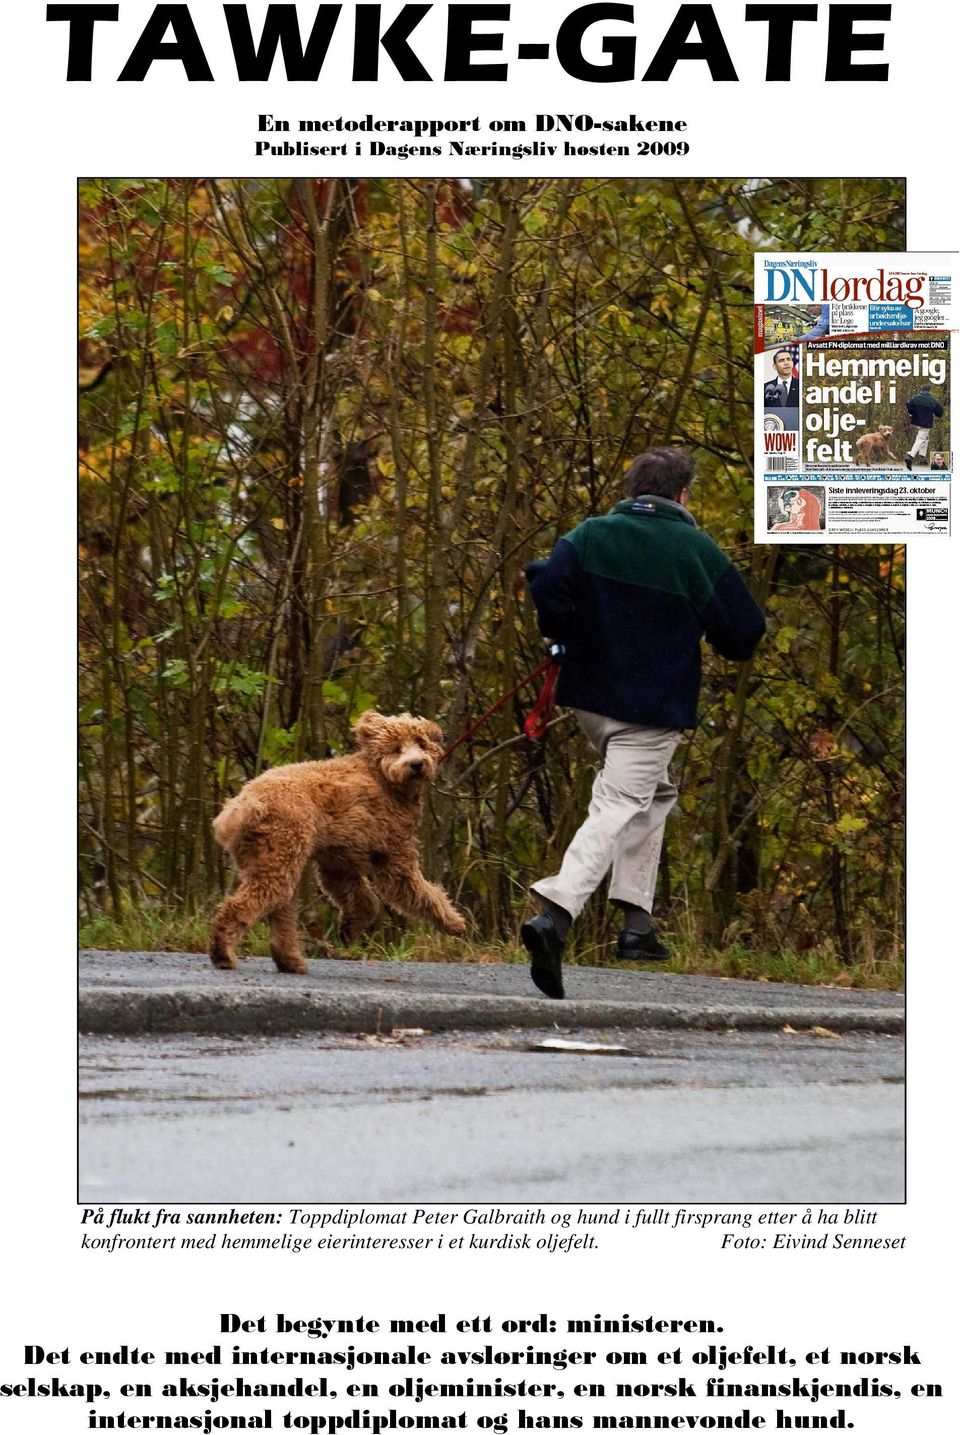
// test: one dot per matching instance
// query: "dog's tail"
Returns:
(236, 818)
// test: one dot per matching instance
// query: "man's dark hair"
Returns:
(788, 352)
(663, 472)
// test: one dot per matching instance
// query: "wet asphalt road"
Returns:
(490, 1116)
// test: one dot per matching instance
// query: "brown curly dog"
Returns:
(356, 817)
(875, 447)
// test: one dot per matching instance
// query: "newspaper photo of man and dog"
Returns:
(469, 808)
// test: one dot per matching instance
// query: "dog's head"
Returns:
(405, 749)
(884, 430)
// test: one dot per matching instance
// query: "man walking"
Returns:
(923, 408)
(630, 595)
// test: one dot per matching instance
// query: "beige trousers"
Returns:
(921, 443)
(632, 794)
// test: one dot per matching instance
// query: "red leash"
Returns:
(539, 717)
(536, 724)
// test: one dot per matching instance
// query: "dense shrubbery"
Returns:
(324, 425)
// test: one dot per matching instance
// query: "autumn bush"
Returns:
(323, 427)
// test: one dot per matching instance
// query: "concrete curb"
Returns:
(129, 1012)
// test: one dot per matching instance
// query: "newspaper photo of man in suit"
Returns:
(783, 390)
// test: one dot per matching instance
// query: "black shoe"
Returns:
(543, 942)
(641, 947)
(909, 462)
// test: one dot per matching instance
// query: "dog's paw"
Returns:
(350, 933)
(290, 965)
(221, 956)
(456, 925)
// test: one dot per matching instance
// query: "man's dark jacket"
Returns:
(923, 408)
(771, 395)
(630, 596)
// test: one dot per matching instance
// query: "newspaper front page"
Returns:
(447, 270)
(853, 395)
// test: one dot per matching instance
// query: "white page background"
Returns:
(59, 1296)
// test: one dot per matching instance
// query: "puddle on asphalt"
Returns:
(580, 1048)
